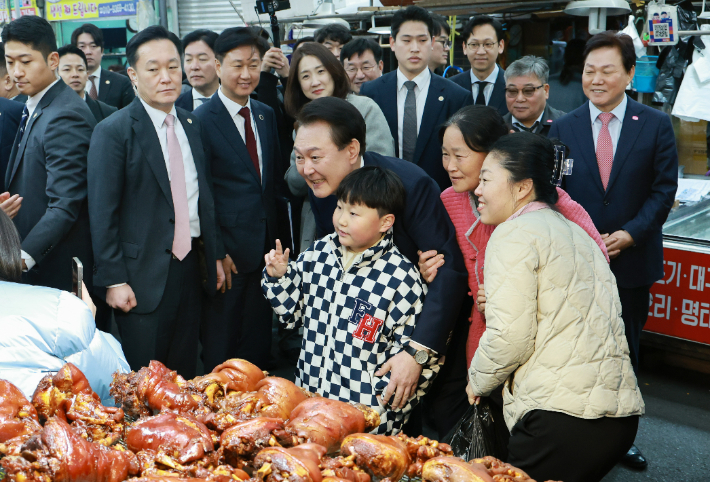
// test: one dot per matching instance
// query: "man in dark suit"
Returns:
(152, 212)
(625, 175)
(47, 164)
(526, 93)
(108, 87)
(329, 139)
(414, 101)
(483, 42)
(10, 115)
(8, 88)
(200, 68)
(237, 323)
(72, 69)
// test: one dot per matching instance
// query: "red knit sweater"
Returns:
(473, 236)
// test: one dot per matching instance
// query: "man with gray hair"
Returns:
(526, 93)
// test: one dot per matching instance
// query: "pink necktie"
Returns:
(182, 241)
(605, 148)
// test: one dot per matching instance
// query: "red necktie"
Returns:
(250, 139)
(605, 148)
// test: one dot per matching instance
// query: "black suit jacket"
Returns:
(423, 225)
(48, 169)
(443, 100)
(549, 115)
(21, 98)
(131, 204)
(497, 100)
(245, 205)
(10, 116)
(641, 189)
(185, 101)
(115, 89)
(99, 109)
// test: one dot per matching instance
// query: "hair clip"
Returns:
(563, 166)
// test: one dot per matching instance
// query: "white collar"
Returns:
(97, 73)
(619, 111)
(491, 79)
(157, 116)
(232, 107)
(33, 102)
(539, 119)
(421, 79)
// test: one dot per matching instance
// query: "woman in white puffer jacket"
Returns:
(554, 332)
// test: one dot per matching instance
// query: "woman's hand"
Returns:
(472, 397)
(429, 263)
(481, 299)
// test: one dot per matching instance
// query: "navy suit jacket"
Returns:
(131, 204)
(245, 205)
(424, 225)
(497, 96)
(185, 101)
(443, 100)
(641, 189)
(116, 89)
(10, 116)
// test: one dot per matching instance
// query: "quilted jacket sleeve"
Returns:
(510, 272)
(285, 294)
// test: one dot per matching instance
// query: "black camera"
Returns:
(271, 6)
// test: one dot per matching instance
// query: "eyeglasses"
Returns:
(475, 45)
(444, 42)
(367, 68)
(512, 92)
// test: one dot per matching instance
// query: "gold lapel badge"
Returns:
(108, 81)
(261, 117)
(189, 121)
(441, 98)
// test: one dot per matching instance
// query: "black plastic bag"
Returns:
(475, 436)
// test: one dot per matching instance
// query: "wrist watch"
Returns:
(420, 356)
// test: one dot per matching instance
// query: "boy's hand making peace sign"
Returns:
(276, 261)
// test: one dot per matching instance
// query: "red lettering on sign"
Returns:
(368, 328)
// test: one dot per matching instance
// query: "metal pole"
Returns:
(163, 12)
(17, 9)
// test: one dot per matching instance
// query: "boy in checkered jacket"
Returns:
(357, 298)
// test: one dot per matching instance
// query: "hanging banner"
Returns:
(82, 10)
(4, 11)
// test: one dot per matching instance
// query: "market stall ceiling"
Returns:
(215, 15)
(460, 7)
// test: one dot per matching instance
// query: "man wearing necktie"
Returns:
(242, 139)
(152, 212)
(200, 69)
(414, 101)
(483, 42)
(47, 164)
(526, 94)
(625, 175)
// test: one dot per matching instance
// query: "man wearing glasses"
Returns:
(483, 43)
(440, 50)
(526, 94)
(362, 60)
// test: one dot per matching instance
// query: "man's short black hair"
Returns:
(92, 30)
(412, 13)
(72, 49)
(154, 32)
(482, 20)
(33, 31)
(345, 121)
(618, 40)
(358, 47)
(374, 187)
(302, 40)
(333, 31)
(207, 36)
(440, 25)
(236, 37)
(3, 65)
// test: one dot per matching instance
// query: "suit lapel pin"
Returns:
(34, 115)
(108, 81)
(635, 117)
(441, 98)
(189, 121)
(261, 117)
(549, 121)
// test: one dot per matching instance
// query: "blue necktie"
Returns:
(23, 125)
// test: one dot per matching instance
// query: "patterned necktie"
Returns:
(250, 140)
(481, 97)
(21, 130)
(409, 122)
(92, 92)
(605, 148)
(532, 128)
(182, 241)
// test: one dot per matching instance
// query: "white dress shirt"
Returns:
(488, 89)
(196, 96)
(614, 125)
(97, 81)
(32, 103)
(421, 91)
(233, 108)
(193, 190)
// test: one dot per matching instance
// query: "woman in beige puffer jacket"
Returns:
(554, 332)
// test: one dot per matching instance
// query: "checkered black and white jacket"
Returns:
(353, 321)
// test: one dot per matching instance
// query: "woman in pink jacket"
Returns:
(466, 140)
